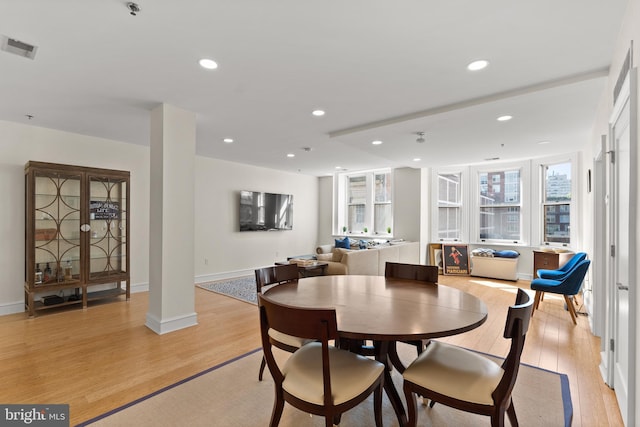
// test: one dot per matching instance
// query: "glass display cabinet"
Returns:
(77, 235)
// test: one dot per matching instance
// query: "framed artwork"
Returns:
(456, 259)
(435, 255)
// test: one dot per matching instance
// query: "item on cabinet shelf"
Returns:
(38, 277)
(75, 297)
(59, 273)
(45, 233)
(68, 271)
(52, 300)
(47, 273)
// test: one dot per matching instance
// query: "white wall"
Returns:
(630, 31)
(325, 211)
(221, 249)
(217, 238)
(406, 204)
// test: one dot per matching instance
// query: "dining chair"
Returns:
(469, 381)
(567, 286)
(423, 273)
(318, 378)
(275, 275)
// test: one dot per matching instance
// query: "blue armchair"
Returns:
(568, 286)
(564, 270)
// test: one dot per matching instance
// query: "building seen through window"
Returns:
(557, 203)
(500, 205)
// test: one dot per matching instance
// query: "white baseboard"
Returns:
(139, 287)
(172, 324)
(11, 308)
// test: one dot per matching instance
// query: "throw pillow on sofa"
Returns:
(343, 243)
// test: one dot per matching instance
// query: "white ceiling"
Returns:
(381, 70)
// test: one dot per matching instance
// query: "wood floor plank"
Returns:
(103, 357)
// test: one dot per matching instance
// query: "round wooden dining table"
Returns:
(386, 310)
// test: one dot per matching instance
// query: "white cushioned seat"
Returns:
(455, 372)
(351, 374)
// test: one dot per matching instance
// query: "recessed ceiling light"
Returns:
(338, 167)
(228, 140)
(544, 142)
(318, 113)
(209, 64)
(504, 118)
(417, 159)
(377, 142)
(291, 155)
(477, 65)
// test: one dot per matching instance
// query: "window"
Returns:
(556, 203)
(368, 201)
(449, 206)
(357, 194)
(500, 205)
(383, 212)
(530, 202)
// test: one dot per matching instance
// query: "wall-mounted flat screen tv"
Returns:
(265, 211)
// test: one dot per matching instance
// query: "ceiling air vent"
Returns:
(19, 48)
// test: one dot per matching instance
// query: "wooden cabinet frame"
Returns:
(77, 222)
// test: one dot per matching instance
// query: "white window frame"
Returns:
(464, 205)
(532, 215)
(341, 192)
(525, 205)
(537, 219)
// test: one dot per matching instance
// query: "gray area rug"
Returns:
(241, 288)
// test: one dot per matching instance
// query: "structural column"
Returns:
(171, 220)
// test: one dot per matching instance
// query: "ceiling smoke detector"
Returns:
(420, 137)
(133, 8)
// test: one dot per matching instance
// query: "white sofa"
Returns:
(369, 262)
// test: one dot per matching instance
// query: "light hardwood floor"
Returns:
(103, 357)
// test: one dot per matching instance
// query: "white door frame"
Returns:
(625, 393)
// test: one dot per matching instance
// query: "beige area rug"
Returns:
(231, 395)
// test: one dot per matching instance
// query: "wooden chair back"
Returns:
(275, 274)
(312, 323)
(424, 273)
(516, 327)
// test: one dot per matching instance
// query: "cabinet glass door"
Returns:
(108, 229)
(57, 228)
